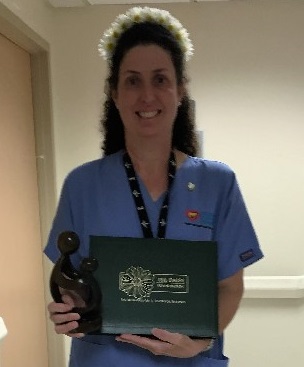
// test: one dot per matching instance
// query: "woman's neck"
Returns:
(151, 164)
(149, 160)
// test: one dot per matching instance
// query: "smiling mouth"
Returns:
(148, 115)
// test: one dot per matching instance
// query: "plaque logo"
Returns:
(136, 282)
(140, 283)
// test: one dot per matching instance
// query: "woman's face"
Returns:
(147, 94)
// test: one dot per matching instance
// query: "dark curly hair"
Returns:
(183, 136)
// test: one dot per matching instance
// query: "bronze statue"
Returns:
(65, 278)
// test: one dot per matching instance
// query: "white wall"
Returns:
(37, 14)
(249, 86)
(248, 82)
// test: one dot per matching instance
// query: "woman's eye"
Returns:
(160, 79)
(132, 81)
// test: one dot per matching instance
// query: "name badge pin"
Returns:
(191, 186)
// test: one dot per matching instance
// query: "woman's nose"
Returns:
(147, 93)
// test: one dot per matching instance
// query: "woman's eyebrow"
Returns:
(138, 72)
(131, 72)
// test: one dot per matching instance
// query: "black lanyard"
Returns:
(139, 202)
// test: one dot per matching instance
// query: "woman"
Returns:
(148, 124)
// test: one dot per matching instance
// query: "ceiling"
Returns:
(76, 3)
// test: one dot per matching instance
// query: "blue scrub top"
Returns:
(205, 204)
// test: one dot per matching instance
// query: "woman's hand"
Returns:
(64, 320)
(167, 344)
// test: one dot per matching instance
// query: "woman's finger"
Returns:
(68, 300)
(167, 336)
(59, 307)
(67, 328)
(61, 318)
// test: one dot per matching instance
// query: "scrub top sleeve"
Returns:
(238, 245)
(63, 221)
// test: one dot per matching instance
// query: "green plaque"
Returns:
(147, 283)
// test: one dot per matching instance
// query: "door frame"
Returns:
(14, 29)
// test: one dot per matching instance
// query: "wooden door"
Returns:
(22, 304)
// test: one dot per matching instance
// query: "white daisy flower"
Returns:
(107, 44)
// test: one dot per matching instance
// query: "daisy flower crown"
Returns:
(123, 22)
